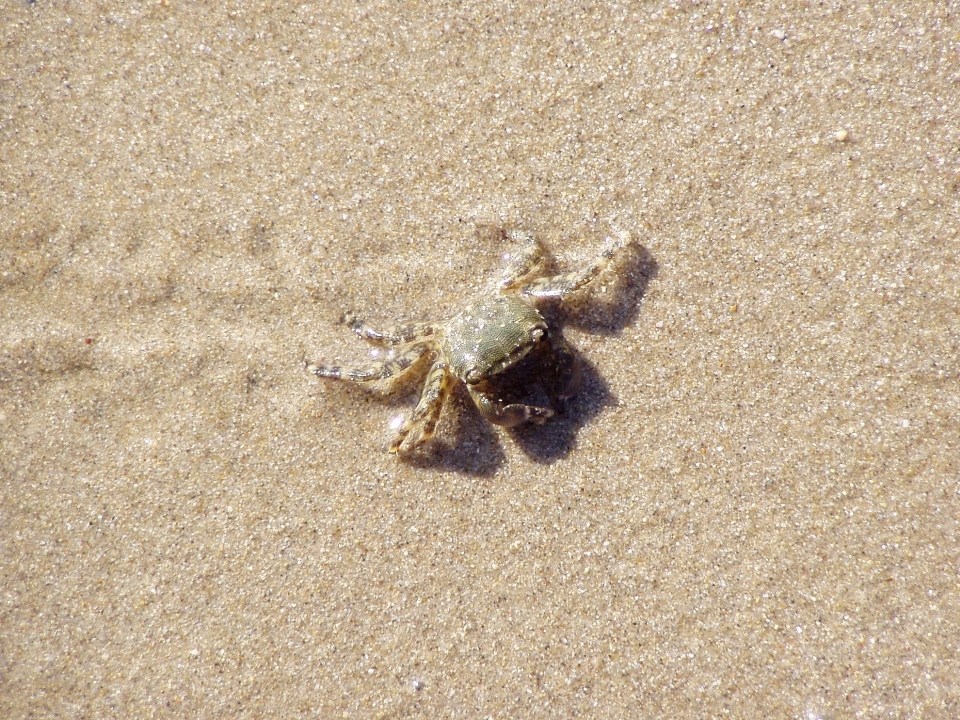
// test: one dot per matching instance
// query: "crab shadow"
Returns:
(609, 311)
(467, 443)
(556, 438)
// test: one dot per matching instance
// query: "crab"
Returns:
(482, 347)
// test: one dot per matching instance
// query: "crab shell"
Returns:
(490, 336)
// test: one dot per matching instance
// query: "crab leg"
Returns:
(508, 415)
(397, 335)
(559, 286)
(529, 260)
(387, 370)
(419, 427)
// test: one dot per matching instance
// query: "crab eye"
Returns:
(538, 334)
(474, 376)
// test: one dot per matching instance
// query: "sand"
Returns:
(750, 510)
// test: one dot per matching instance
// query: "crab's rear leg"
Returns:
(384, 373)
(527, 261)
(419, 427)
(396, 335)
(559, 286)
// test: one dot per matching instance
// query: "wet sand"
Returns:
(750, 510)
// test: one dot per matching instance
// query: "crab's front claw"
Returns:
(508, 415)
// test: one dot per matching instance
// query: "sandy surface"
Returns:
(751, 509)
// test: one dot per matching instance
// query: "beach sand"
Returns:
(750, 510)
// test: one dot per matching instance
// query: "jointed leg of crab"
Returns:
(559, 286)
(380, 375)
(526, 262)
(507, 414)
(397, 335)
(419, 427)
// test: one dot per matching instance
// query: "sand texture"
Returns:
(750, 510)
